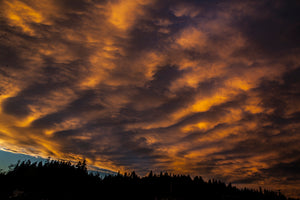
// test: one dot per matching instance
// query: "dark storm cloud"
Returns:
(18, 105)
(74, 5)
(15, 106)
(9, 57)
(250, 180)
(289, 170)
(273, 30)
(83, 104)
(163, 78)
(136, 151)
(207, 87)
(151, 95)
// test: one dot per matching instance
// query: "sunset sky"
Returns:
(198, 87)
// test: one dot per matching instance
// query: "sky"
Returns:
(9, 159)
(196, 87)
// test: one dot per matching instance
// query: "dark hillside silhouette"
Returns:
(63, 180)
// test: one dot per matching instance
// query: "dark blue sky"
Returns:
(8, 158)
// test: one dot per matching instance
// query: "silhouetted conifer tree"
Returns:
(62, 180)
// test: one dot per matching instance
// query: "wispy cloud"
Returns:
(199, 87)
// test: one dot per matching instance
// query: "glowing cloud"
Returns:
(207, 88)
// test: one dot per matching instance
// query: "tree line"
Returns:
(55, 179)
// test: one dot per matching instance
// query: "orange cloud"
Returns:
(198, 88)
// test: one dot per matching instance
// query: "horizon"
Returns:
(53, 179)
(195, 87)
(103, 173)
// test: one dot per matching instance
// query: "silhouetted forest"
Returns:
(63, 180)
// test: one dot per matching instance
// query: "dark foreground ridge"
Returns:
(62, 180)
